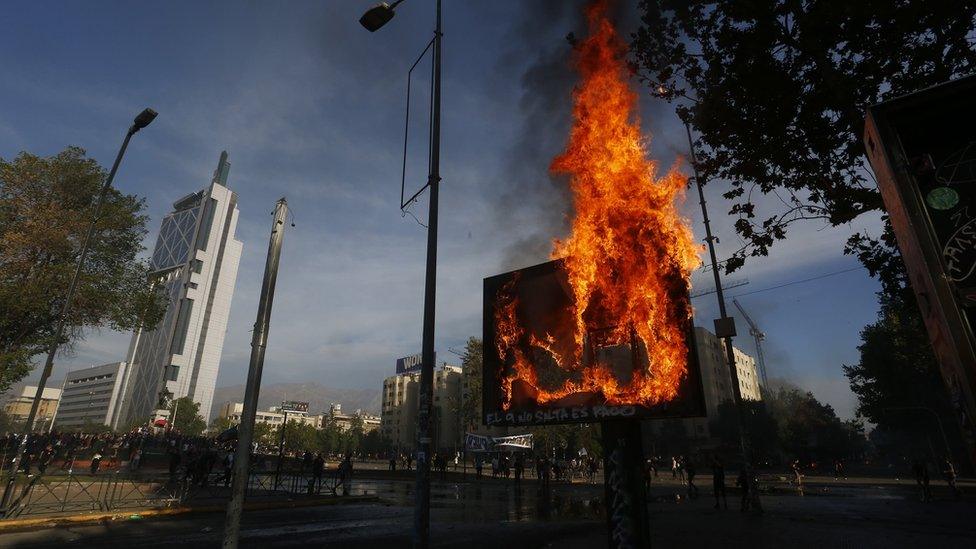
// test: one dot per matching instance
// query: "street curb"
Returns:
(49, 522)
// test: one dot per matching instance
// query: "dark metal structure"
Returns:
(259, 342)
(922, 148)
(372, 20)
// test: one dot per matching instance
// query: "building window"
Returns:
(182, 325)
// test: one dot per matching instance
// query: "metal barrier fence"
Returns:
(78, 493)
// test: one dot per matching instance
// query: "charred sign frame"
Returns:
(689, 403)
(909, 140)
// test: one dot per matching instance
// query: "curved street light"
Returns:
(372, 20)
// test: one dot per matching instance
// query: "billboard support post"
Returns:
(627, 522)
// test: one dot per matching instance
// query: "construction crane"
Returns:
(755, 332)
(732, 284)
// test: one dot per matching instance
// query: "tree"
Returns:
(185, 416)
(897, 376)
(777, 92)
(299, 437)
(220, 424)
(264, 434)
(469, 409)
(46, 206)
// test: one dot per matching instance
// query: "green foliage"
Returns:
(46, 205)
(299, 437)
(264, 434)
(220, 424)
(897, 369)
(6, 422)
(565, 441)
(777, 93)
(789, 424)
(469, 409)
(185, 416)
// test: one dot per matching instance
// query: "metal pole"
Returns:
(259, 341)
(730, 354)
(421, 535)
(281, 446)
(63, 317)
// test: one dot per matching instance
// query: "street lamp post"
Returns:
(372, 20)
(724, 325)
(142, 120)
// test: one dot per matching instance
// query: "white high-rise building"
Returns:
(195, 265)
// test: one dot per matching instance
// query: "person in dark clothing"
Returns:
(691, 471)
(949, 472)
(95, 462)
(318, 468)
(744, 485)
(921, 471)
(519, 468)
(306, 462)
(718, 482)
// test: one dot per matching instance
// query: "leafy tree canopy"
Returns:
(185, 416)
(777, 93)
(46, 206)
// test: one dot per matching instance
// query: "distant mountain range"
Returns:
(318, 396)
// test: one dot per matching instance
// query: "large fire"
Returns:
(628, 259)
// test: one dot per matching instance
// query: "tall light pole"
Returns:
(724, 325)
(372, 20)
(142, 120)
(259, 342)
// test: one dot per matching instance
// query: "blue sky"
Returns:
(310, 106)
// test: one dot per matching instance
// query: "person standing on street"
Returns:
(921, 471)
(718, 482)
(949, 472)
(690, 470)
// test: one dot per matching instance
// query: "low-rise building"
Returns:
(398, 422)
(91, 396)
(367, 421)
(19, 405)
(716, 384)
(273, 416)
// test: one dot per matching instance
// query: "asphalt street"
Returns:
(496, 514)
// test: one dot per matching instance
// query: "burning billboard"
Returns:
(604, 330)
(537, 372)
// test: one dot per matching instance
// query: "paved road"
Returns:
(469, 515)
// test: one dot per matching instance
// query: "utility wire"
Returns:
(812, 278)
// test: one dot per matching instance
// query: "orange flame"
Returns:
(630, 253)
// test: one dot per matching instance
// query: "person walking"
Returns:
(744, 485)
(718, 482)
(136, 459)
(690, 469)
(674, 467)
(949, 472)
(519, 468)
(478, 465)
(797, 474)
(921, 472)
(95, 462)
(318, 468)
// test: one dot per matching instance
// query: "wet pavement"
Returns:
(498, 514)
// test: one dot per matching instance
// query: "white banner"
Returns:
(481, 443)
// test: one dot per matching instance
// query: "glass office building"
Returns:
(194, 263)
